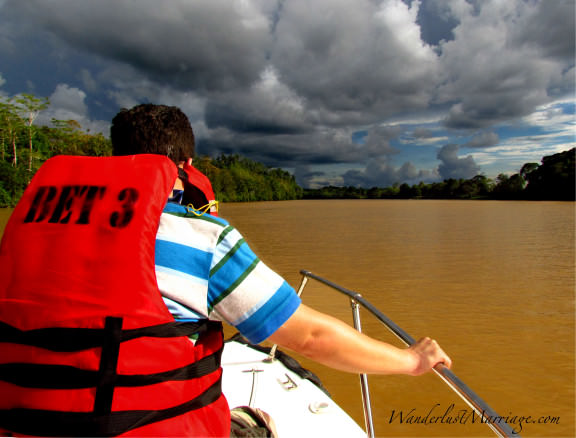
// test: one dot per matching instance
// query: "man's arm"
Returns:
(333, 343)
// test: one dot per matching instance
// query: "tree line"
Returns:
(553, 179)
(24, 146)
(239, 179)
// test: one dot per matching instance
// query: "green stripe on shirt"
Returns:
(224, 233)
(234, 285)
(227, 256)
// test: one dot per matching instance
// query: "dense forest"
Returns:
(25, 146)
(238, 179)
(553, 179)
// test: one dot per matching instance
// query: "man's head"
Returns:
(153, 129)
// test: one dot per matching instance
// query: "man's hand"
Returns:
(426, 355)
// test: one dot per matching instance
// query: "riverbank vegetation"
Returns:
(553, 179)
(238, 179)
(24, 146)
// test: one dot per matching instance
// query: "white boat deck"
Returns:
(299, 408)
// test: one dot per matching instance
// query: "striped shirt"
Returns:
(205, 269)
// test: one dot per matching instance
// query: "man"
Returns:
(295, 326)
(166, 130)
(88, 227)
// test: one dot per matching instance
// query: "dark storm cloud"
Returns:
(293, 82)
(305, 175)
(208, 45)
(381, 172)
(220, 115)
(549, 28)
(436, 22)
(323, 146)
(331, 146)
(267, 106)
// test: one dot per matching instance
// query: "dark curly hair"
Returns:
(153, 129)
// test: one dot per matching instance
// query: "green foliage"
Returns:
(24, 147)
(554, 179)
(67, 138)
(238, 179)
(13, 181)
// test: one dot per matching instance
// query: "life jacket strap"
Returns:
(68, 339)
(107, 371)
(101, 421)
(45, 376)
(57, 423)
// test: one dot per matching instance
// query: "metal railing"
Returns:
(500, 427)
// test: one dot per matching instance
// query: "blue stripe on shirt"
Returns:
(272, 315)
(183, 258)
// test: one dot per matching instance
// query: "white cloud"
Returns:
(490, 73)
(552, 115)
(69, 103)
(354, 64)
(267, 106)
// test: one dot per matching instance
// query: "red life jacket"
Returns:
(87, 346)
(198, 181)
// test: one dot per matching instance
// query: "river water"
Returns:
(493, 282)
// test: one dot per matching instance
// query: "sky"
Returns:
(343, 92)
